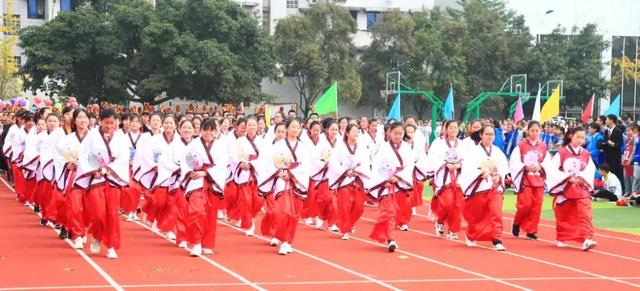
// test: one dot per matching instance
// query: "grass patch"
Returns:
(606, 215)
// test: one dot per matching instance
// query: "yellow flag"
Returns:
(267, 114)
(551, 108)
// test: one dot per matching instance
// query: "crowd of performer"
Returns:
(85, 172)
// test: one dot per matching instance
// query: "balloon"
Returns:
(47, 102)
(37, 100)
(23, 102)
(72, 99)
(12, 101)
(1, 105)
(58, 106)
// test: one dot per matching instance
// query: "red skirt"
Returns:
(448, 206)
(201, 219)
(283, 220)
(416, 195)
(529, 205)
(310, 209)
(103, 203)
(350, 206)
(326, 202)
(384, 229)
(76, 214)
(573, 220)
(249, 203)
(231, 200)
(483, 213)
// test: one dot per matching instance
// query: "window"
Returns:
(18, 60)
(12, 24)
(292, 3)
(372, 17)
(35, 9)
(354, 14)
(68, 5)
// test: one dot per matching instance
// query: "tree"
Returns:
(116, 50)
(10, 85)
(315, 50)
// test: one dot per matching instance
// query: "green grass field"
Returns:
(606, 215)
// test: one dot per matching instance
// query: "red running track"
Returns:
(33, 258)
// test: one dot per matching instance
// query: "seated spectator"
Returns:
(612, 188)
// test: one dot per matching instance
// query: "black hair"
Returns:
(54, 114)
(67, 109)
(329, 123)
(241, 120)
(595, 126)
(107, 113)
(604, 167)
(169, 116)
(395, 125)
(449, 122)
(533, 123)
(570, 133)
(347, 130)
(612, 117)
(314, 123)
(290, 120)
(208, 124)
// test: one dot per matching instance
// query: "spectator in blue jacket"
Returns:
(595, 137)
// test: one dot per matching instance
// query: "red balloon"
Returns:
(48, 102)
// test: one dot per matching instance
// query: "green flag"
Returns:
(328, 102)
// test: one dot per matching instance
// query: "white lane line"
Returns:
(82, 254)
(569, 245)
(534, 259)
(363, 276)
(288, 283)
(487, 277)
(209, 260)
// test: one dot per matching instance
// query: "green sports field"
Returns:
(606, 215)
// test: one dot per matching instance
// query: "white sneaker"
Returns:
(283, 249)
(84, 239)
(220, 214)
(319, 223)
(94, 248)
(334, 228)
(404, 227)
(171, 235)
(414, 211)
(392, 246)
(588, 244)
(130, 217)
(111, 254)
(499, 247)
(274, 242)
(154, 226)
(308, 221)
(468, 242)
(345, 236)
(135, 217)
(196, 250)
(26, 203)
(452, 235)
(439, 229)
(561, 244)
(206, 251)
(289, 248)
(183, 244)
(251, 230)
(353, 230)
(78, 243)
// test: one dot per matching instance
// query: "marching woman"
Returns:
(73, 187)
(17, 155)
(169, 166)
(529, 163)
(244, 158)
(67, 119)
(158, 204)
(47, 151)
(325, 197)
(447, 202)
(131, 194)
(267, 227)
(283, 175)
(391, 175)
(313, 144)
(570, 182)
(231, 189)
(155, 122)
(484, 167)
(8, 143)
(30, 163)
(409, 204)
(104, 163)
(203, 178)
(348, 167)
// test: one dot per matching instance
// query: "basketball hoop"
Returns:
(384, 94)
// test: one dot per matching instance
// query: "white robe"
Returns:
(556, 179)
(387, 164)
(319, 155)
(48, 152)
(342, 160)
(95, 153)
(439, 156)
(8, 142)
(31, 160)
(70, 144)
(245, 151)
(17, 146)
(280, 157)
(214, 160)
(150, 153)
(474, 160)
(137, 159)
(169, 164)
(517, 167)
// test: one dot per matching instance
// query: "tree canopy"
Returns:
(119, 50)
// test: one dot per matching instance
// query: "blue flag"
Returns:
(614, 107)
(447, 111)
(394, 113)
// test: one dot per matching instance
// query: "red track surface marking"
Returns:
(31, 254)
(572, 260)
